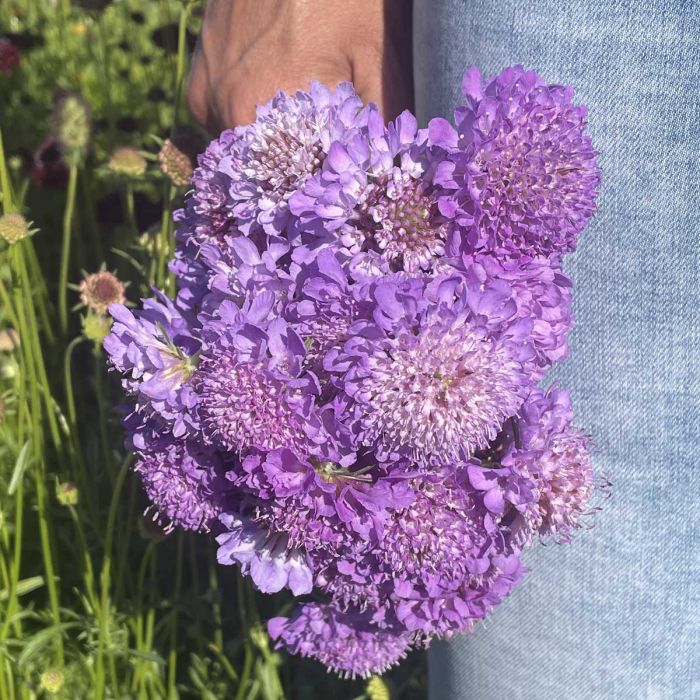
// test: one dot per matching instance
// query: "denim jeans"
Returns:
(617, 613)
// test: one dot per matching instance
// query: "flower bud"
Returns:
(96, 327)
(377, 689)
(51, 680)
(67, 494)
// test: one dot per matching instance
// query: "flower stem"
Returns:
(65, 248)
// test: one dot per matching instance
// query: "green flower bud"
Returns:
(51, 680)
(96, 326)
(377, 689)
(67, 494)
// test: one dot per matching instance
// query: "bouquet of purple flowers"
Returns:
(344, 391)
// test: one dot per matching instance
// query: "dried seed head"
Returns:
(14, 227)
(9, 340)
(72, 123)
(175, 164)
(126, 160)
(99, 290)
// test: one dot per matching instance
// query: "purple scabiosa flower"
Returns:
(346, 643)
(374, 194)
(324, 308)
(207, 211)
(156, 350)
(266, 558)
(272, 158)
(444, 613)
(556, 457)
(519, 173)
(502, 290)
(240, 270)
(427, 379)
(184, 481)
(250, 388)
(316, 498)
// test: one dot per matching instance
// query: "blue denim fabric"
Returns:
(617, 613)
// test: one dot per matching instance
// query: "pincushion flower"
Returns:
(344, 390)
(267, 558)
(519, 174)
(502, 290)
(273, 157)
(556, 456)
(426, 378)
(315, 499)
(156, 351)
(345, 643)
(250, 388)
(183, 481)
(374, 194)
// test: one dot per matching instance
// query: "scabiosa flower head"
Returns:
(249, 390)
(345, 643)
(72, 123)
(156, 351)
(531, 289)
(408, 230)
(437, 539)
(315, 498)
(207, 214)
(520, 172)
(324, 308)
(14, 228)
(556, 457)
(126, 160)
(241, 269)
(267, 558)
(427, 379)
(9, 56)
(374, 194)
(289, 140)
(101, 289)
(183, 481)
(175, 164)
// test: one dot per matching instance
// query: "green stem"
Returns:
(104, 587)
(65, 248)
(172, 656)
(180, 71)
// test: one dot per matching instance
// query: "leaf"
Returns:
(24, 586)
(41, 639)
(20, 467)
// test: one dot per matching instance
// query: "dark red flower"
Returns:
(9, 56)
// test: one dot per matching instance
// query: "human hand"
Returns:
(250, 49)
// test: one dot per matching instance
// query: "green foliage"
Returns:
(96, 599)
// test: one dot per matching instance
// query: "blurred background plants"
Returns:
(96, 600)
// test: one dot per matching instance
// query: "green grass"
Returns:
(96, 601)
